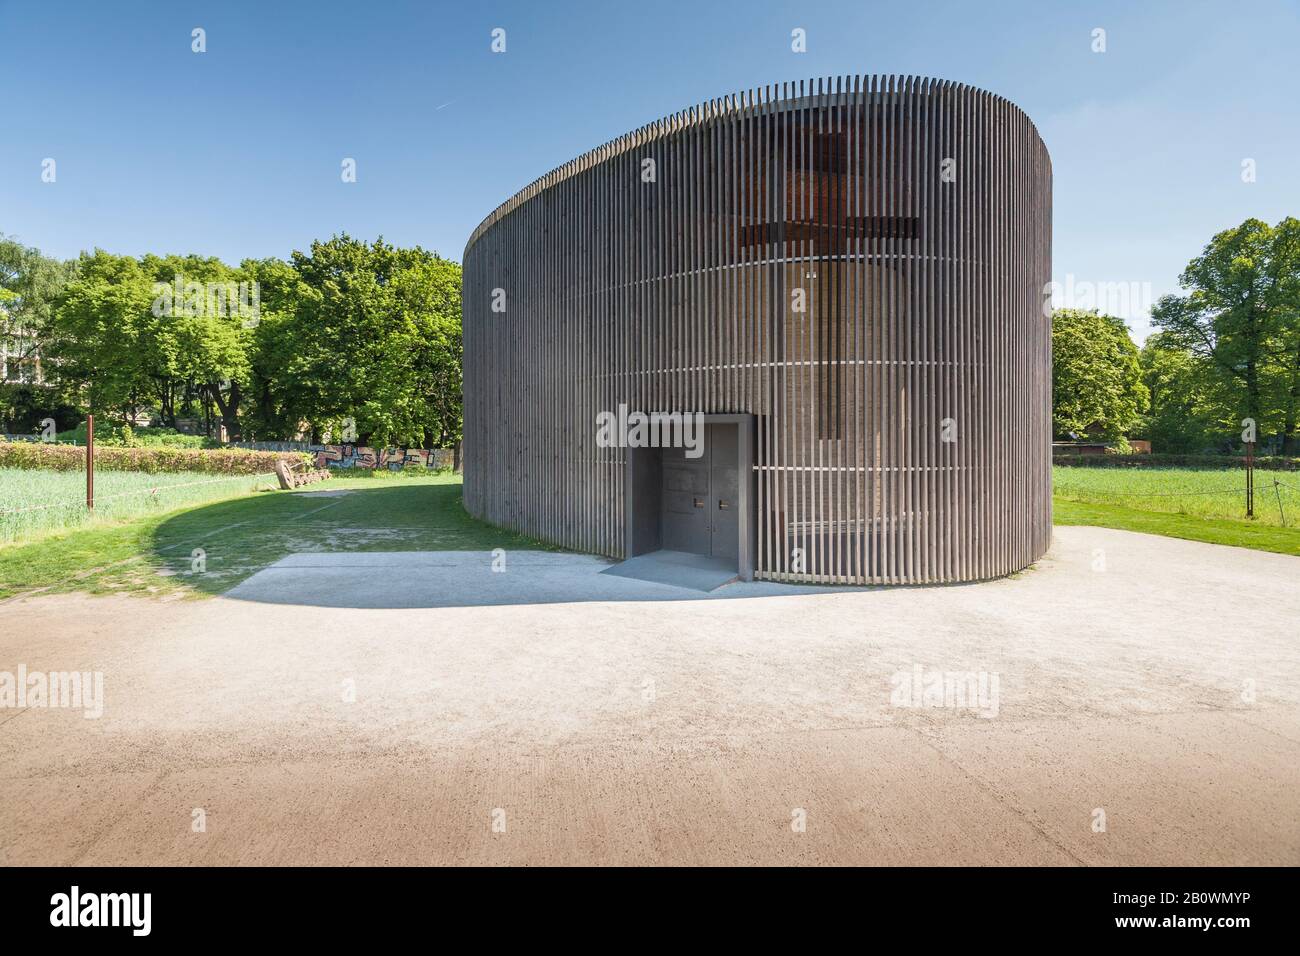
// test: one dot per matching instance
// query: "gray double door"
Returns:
(701, 496)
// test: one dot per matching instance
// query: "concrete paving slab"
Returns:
(426, 579)
(694, 572)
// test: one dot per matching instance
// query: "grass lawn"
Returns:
(1190, 492)
(241, 536)
(153, 552)
(39, 501)
(1199, 504)
(1238, 532)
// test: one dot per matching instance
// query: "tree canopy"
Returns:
(367, 333)
(393, 316)
(1225, 350)
(1240, 321)
(364, 338)
(1097, 385)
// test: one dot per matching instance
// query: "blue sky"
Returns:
(236, 152)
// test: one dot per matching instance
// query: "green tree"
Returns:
(1096, 379)
(375, 336)
(348, 330)
(203, 334)
(155, 332)
(99, 335)
(32, 283)
(29, 284)
(1186, 412)
(1241, 315)
(270, 350)
(428, 291)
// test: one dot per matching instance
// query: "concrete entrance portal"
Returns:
(694, 507)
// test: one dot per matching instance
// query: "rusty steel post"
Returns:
(90, 462)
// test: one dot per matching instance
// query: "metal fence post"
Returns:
(1250, 479)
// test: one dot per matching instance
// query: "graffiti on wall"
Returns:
(363, 456)
(394, 459)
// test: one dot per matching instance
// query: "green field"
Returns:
(37, 502)
(1194, 492)
(155, 554)
(1199, 504)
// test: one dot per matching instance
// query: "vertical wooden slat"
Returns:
(923, 303)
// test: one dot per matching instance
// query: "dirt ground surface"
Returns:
(1142, 707)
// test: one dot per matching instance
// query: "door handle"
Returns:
(699, 502)
(723, 505)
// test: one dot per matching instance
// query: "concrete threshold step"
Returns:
(696, 572)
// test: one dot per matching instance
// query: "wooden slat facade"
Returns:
(924, 303)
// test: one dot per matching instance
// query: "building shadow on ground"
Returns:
(392, 546)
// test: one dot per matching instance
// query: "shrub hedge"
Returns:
(1158, 460)
(125, 436)
(222, 461)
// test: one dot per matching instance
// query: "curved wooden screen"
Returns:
(859, 263)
